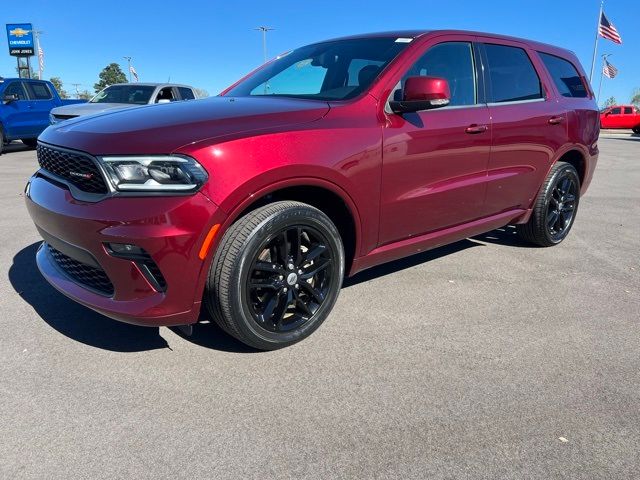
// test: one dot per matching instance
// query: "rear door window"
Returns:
(616, 111)
(39, 91)
(16, 88)
(186, 93)
(628, 110)
(512, 75)
(565, 76)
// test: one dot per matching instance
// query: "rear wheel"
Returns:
(276, 275)
(555, 209)
(636, 129)
(30, 142)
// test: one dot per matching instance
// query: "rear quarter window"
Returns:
(186, 93)
(512, 76)
(628, 111)
(565, 76)
(39, 91)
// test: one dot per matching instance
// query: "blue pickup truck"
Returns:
(25, 107)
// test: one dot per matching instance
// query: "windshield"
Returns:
(336, 70)
(135, 94)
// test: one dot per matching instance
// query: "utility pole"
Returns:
(77, 91)
(128, 59)
(37, 34)
(604, 59)
(264, 31)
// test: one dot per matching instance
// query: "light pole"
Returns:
(128, 59)
(604, 59)
(264, 31)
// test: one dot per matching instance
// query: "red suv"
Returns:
(329, 159)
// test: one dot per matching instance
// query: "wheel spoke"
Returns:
(569, 198)
(313, 270)
(302, 304)
(283, 248)
(265, 283)
(268, 267)
(270, 306)
(315, 293)
(283, 305)
(552, 218)
(315, 252)
(296, 245)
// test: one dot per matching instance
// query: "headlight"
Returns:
(155, 173)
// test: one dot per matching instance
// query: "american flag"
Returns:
(41, 58)
(609, 70)
(133, 72)
(607, 30)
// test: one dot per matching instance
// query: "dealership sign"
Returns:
(20, 37)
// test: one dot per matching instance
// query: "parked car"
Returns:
(24, 112)
(621, 116)
(331, 159)
(125, 95)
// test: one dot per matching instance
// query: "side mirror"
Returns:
(11, 97)
(164, 100)
(422, 93)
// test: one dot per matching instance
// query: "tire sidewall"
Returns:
(238, 297)
(560, 173)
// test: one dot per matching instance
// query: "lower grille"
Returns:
(85, 275)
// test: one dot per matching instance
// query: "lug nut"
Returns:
(284, 289)
(291, 266)
(297, 285)
(299, 272)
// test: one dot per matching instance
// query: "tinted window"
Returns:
(616, 111)
(323, 71)
(130, 93)
(166, 94)
(16, 88)
(186, 93)
(452, 61)
(39, 91)
(512, 75)
(628, 110)
(565, 76)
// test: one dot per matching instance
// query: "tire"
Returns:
(636, 129)
(1, 140)
(30, 142)
(555, 208)
(252, 292)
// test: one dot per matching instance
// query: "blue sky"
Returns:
(210, 44)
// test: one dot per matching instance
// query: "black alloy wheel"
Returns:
(276, 275)
(290, 278)
(555, 208)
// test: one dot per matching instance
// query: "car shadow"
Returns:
(91, 328)
(506, 236)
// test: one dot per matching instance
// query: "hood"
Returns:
(164, 128)
(89, 108)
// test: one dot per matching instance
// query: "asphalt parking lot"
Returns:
(483, 359)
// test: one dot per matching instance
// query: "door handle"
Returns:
(476, 129)
(556, 120)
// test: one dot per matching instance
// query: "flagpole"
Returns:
(128, 59)
(595, 45)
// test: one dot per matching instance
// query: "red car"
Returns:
(621, 116)
(328, 160)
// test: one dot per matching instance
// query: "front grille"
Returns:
(76, 168)
(85, 275)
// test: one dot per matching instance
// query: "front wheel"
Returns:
(30, 142)
(636, 129)
(555, 209)
(276, 275)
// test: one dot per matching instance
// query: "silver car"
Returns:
(124, 95)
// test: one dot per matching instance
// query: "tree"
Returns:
(609, 102)
(635, 96)
(201, 93)
(85, 95)
(58, 84)
(109, 75)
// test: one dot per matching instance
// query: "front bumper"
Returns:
(170, 229)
